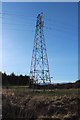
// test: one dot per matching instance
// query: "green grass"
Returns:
(58, 92)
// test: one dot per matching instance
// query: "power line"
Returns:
(13, 14)
(48, 28)
(19, 29)
(57, 22)
(9, 19)
(9, 16)
(64, 29)
(48, 19)
(16, 24)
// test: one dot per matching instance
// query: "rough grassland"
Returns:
(23, 103)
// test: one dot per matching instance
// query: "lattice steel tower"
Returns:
(39, 71)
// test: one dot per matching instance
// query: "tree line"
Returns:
(20, 80)
(13, 79)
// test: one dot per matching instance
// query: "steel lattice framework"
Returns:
(39, 71)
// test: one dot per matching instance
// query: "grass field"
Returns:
(21, 102)
(26, 90)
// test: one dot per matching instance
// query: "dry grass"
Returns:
(40, 107)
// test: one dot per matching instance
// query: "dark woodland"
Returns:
(20, 80)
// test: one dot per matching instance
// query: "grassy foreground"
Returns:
(25, 90)
(23, 103)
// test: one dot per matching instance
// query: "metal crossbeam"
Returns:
(39, 71)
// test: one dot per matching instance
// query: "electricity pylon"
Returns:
(39, 71)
